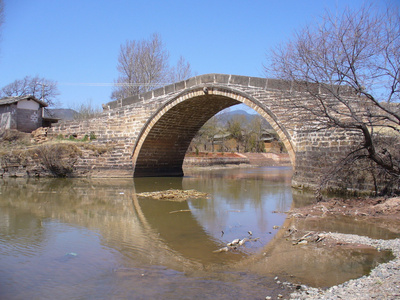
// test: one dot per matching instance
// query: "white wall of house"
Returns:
(28, 104)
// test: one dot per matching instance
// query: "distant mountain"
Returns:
(226, 116)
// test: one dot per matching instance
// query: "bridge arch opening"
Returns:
(162, 144)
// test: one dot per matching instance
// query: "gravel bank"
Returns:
(382, 283)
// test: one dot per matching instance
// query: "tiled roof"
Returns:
(15, 99)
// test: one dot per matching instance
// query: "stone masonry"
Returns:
(151, 132)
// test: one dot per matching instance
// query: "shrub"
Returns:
(97, 149)
(59, 159)
(14, 136)
(87, 111)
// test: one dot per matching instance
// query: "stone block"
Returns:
(158, 92)
(239, 80)
(258, 82)
(130, 100)
(191, 82)
(222, 78)
(147, 95)
(278, 84)
(112, 104)
(169, 89)
(179, 86)
(207, 78)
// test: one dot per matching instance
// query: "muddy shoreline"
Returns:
(383, 282)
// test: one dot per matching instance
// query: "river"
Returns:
(97, 239)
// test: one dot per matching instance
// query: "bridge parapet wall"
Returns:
(210, 79)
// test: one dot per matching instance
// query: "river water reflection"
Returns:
(87, 239)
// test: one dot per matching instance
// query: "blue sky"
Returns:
(75, 42)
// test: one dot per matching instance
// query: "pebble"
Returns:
(381, 283)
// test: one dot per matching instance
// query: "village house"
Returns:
(223, 141)
(23, 113)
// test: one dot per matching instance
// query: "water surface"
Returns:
(95, 238)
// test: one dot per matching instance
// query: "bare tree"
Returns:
(144, 65)
(253, 135)
(182, 70)
(43, 89)
(204, 140)
(235, 127)
(86, 110)
(355, 59)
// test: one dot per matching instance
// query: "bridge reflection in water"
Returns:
(98, 234)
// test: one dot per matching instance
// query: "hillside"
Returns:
(227, 115)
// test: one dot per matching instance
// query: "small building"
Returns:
(23, 113)
(271, 141)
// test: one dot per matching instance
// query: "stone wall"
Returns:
(150, 133)
(28, 120)
(117, 129)
(25, 120)
(318, 152)
(92, 160)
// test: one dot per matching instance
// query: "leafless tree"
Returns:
(144, 65)
(236, 128)
(41, 88)
(253, 137)
(182, 70)
(86, 110)
(355, 60)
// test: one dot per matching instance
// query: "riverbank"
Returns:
(37, 155)
(208, 159)
(230, 159)
(383, 282)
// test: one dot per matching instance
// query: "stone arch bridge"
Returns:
(151, 132)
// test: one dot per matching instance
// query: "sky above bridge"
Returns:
(77, 42)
